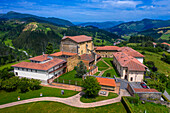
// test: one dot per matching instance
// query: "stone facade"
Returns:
(69, 45)
(72, 62)
(106, 53)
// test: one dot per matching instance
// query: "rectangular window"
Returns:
(131, 78)
(31, 70)
(36, 71)
(26, 69)
(22, 69)
(18, 68)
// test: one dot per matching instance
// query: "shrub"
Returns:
(108, 75)
(81, 69)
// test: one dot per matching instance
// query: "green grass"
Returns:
(109, 61)
(10, 64)
(55, 107)
(97, 73)
(112, 72)
(8, 42)
(102, 66)
(150, 108)
(133, 44)
(168, 91)
(162, 66)
(99, 98)
(165, 36)
(70, 76)
(7, 97)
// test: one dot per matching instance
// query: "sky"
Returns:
(91, 10)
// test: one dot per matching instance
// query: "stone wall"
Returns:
(72, 62)
(152, 95)
(105, 53)
(68, 45)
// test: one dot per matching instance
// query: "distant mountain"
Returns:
(162, 33)
(134, 27)
(101, 25)
(16, 15)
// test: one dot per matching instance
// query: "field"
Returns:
(133, 44)
(97, 73)
(7, 97)
(162, 66)
(102, 66)
(165, 36)
(150, 108)
(55, 107)
(99, 98)
(10, 64)
(109, 61)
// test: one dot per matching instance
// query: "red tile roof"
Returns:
(106, 81)
(39, 66)
(145, 90)
(130, 52)
(40, 58)
(63, 53)
(154, 43)
(78, 39)
(89, 57)
(107, 48)
(128, 61)
(165, 43)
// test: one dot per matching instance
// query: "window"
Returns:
(31, 70)
(18, 68)
(22, 69)
(81, 51)
(131, 79)
(36, 71)
(16, 73)
(26, 69)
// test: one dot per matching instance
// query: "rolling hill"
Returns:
(34, 36)
(16, 15)
(134, 27)
(101, 25)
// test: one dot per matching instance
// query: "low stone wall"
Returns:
(149, 95)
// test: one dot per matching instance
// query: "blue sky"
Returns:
(91, 10)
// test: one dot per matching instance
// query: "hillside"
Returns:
(15, 15)
(134, 27)
(101, 25)
(162, 33)
(33, 37)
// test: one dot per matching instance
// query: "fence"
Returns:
(71, 82)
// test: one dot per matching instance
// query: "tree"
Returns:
(91, 86)
(108, 75)
(2, 61)
(9, 58)
(80, 69)
(49, 48)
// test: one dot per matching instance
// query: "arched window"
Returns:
(131, 79)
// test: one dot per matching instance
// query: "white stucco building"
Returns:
(41, 67)
(129, 67)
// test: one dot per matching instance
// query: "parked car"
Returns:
(143, 85)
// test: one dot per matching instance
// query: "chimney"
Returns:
(43, 54)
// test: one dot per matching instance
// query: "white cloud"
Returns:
(125, 3)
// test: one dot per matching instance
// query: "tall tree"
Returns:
(49, 48)
(80, 69)
(91, 86)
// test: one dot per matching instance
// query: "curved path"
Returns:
(72, 101)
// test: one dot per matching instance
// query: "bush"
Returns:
(133, 100)
(108, 75)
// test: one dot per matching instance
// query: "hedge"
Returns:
(126, 105)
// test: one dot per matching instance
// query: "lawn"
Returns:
(70, 76)
(102, 66)
(7, 97)
(97, 73)
(112, 72)
(109, 61)
(10, 64)
(150, 108)
(99, 98)
(162, 66)
(55, 107)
